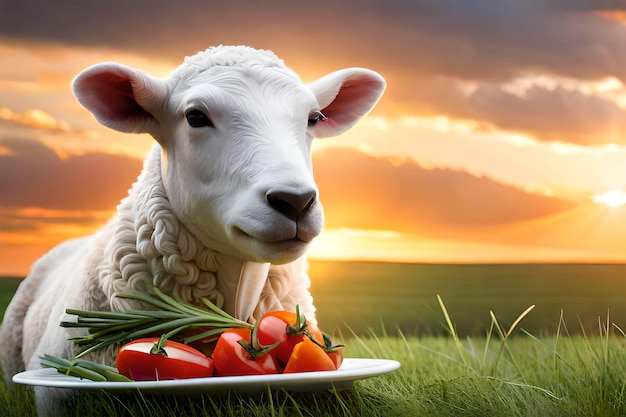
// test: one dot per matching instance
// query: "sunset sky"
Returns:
(501, 137)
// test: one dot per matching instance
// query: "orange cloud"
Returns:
(32, 225)
(34, 118)
(32, 175)
(556, 112)
(27, 233)
(46, 200)
(364, 192)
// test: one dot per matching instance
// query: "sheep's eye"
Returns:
(316, 117)
(196, 118)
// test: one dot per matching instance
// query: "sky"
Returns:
(501, 136)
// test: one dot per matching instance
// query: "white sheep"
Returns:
(225, 206)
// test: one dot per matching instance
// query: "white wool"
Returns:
(149, 241)
(286, 287)
(242, 57)
(232, 56)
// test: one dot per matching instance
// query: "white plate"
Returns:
(351, 370)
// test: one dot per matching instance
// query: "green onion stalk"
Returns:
(83, 369)
(169, 318)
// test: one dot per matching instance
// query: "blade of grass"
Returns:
(452, 331)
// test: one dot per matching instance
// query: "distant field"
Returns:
(7, 288)
(362, 295)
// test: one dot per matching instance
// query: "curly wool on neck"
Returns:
(148, 241)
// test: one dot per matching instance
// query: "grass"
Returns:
(506, 372)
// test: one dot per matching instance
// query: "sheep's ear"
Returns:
(344, 97)
(120, 97)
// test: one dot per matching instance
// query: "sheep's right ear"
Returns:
(120, 97)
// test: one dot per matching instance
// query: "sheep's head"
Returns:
(235, 127)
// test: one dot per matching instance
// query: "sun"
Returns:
(612, 198)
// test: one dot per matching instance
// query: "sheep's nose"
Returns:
(290, 203)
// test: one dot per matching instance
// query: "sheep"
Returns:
(224, 208)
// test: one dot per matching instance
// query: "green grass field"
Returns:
(474, 368)
(506, 372)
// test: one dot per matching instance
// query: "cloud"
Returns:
(34, 118)
(426, 49)
(481, 39)
(33, 219)
(429, 51)
(552, 114)
(364, 192)
(547, 113)
(32, 175)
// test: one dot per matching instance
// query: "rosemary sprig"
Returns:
(170, 318)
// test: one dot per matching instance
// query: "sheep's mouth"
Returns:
(279, 232)
(272, 239)
(274, 248)
(287, 245)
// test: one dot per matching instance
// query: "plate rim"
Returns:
(352, 369)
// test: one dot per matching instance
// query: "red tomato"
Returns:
(180, 361)
(273, 328)
(309, 357)
(232, 359)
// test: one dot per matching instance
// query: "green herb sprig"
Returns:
(107, 328)
(83, 369)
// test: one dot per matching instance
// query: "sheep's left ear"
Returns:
(345, 96)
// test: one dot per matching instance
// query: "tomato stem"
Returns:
(328, 343)
(299, 327)
(254, 347)
(159, 347)
(258, 351)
